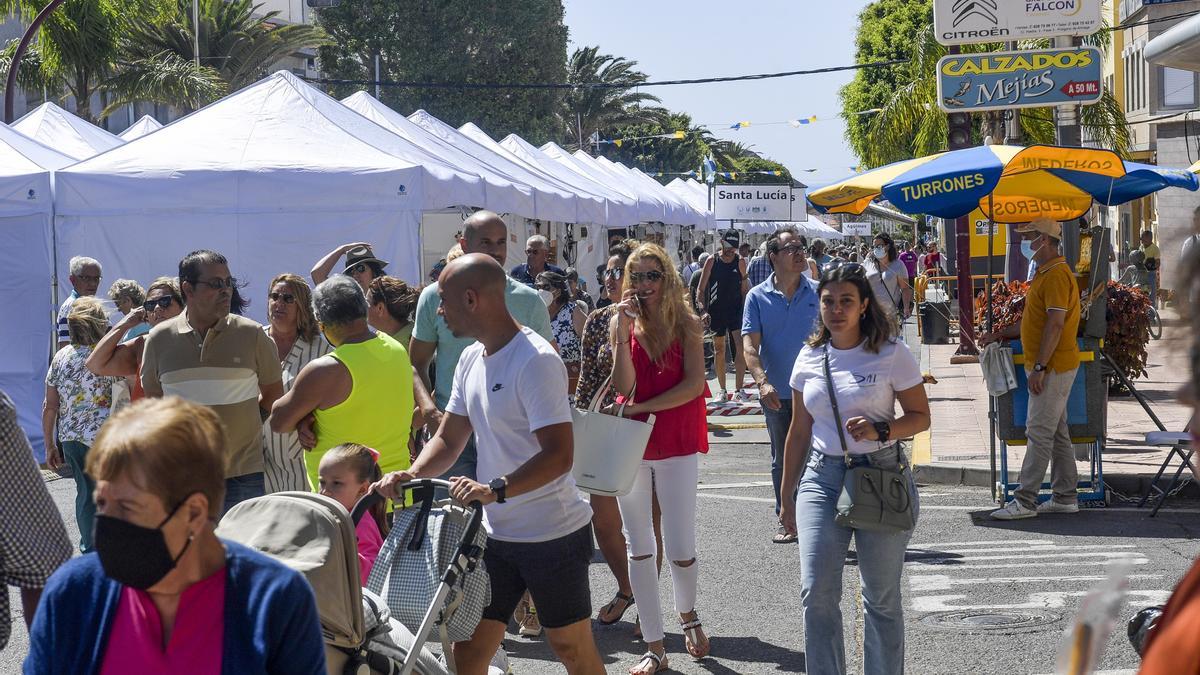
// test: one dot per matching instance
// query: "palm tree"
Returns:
(602, 109)
(910, 124)
(237, 44)
(74, 50)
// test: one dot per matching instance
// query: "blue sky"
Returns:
(704, 38)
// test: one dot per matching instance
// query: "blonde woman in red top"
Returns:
(657, 350)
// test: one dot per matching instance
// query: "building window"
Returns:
(1178, 88)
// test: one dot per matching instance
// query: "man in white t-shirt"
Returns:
(510, 390)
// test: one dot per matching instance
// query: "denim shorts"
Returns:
(555, 573)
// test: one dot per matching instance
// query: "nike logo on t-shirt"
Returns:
(497, 387)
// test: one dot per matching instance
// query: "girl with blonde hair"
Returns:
(658, 368)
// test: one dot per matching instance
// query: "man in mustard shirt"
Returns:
(1047, 330)
(361, 392)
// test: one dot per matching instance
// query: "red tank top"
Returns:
(678, 431)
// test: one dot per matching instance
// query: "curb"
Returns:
(1132, 485)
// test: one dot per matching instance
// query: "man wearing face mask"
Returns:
(1047, 330)
(361, 392)
(161, 576)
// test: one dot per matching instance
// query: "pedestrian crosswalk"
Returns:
(1000, 575)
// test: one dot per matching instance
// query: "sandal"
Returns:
(692, 632)
(782, 536)
(620, 597)
(650, 663)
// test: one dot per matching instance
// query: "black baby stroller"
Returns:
(315, 536)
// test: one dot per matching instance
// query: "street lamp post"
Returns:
(22, 46)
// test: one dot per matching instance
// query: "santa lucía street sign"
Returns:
(1024, 79)
(962, 22)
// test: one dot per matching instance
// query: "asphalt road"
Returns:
(960, 566)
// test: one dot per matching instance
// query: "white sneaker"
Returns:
(743, 396)
(1013, 511)
(1051, 506)
(718, 396)
(499, 664)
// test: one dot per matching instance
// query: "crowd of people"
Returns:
(361, 381)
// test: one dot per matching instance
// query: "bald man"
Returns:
(510, 390)
(484, 232)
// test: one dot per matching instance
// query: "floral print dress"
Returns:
(85, 399)
(596, 358)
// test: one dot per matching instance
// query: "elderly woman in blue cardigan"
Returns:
(161, 593)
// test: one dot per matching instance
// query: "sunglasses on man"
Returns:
(157, 303)
(217, 284)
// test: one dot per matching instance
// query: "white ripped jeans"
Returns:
(674, 480)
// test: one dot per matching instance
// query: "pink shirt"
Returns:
(369, 542)
(135, 643)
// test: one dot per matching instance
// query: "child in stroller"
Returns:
(346, 473)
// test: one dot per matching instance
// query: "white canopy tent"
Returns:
(621, 210)
(140, 128)
(679, 212)
(273, 177)
(696, 195)
(26, 212)
(650, 208)
(502, 193)
(555, 200)
(69, 134)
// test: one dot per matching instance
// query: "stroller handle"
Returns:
(372, 498)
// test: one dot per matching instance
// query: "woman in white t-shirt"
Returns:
(871, 370)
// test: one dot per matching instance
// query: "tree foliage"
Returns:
(455, 41)
(603, 110)
(885, 32)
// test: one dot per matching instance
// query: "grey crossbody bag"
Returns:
(872, 499)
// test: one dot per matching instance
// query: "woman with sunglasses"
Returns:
(595, 367)
(870, 370)
(658, 368)
(116, 355)
(293, 329)
(361, 264)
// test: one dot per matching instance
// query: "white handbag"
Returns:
(608, 448)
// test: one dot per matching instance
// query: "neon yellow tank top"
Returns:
(378, 412)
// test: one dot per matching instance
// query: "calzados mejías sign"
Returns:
(1025, 79)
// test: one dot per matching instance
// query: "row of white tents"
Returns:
(273, 177)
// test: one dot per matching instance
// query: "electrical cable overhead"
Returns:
(1160, 19)
(599, 85)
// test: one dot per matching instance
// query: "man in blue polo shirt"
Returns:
(780, 314)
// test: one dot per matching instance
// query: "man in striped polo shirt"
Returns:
(208, 355)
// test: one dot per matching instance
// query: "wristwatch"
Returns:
(499, 486)
(884, 430)
(1037, 368)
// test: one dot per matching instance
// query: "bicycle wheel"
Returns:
(1155, 323)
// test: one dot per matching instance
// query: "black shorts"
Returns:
(555, 572)
(723, 321)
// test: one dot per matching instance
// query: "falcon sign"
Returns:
(962, 22)
(1026, 79)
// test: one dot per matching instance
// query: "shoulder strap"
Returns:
(837, 416)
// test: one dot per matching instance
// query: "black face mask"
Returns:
(133, 555)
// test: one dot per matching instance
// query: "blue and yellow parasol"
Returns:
(1011, 184)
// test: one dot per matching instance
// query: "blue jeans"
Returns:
(463, 466)
(75, 453)
(778, 422)
(823, 547)
(240, 488)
